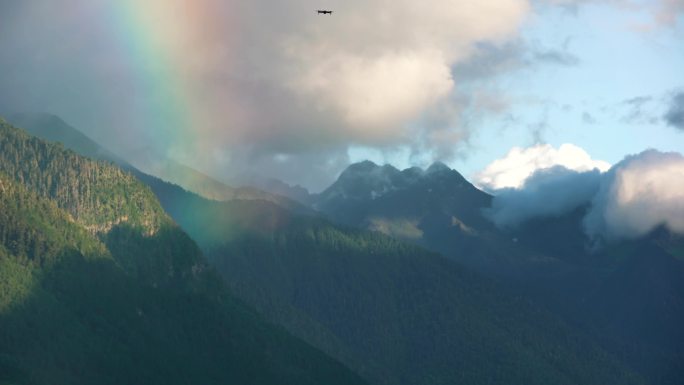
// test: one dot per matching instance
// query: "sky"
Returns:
(496, 89)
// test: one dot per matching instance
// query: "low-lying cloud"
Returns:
(544, 194)
(634, 197)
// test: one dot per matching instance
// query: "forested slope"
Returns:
(98, 285)
(393, 312)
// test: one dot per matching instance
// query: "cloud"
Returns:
(675, 113)
(557, 57)
(512, 170)
(639, 110)
(664, 13)
(548, 192)
(375, 95)
(628, 201)
(638, 101)
(637, 195)
(489, 60)
(249, 82)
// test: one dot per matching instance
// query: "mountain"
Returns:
(641, 307)
(386, 309)
(366, 194)
(628, 295)
(278, 187)
(436, 208)
(391, 311)
(211, 188)
(99, 285)
(54, 129)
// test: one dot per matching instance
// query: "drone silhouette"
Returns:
(322, 12)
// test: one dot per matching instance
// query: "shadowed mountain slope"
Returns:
(628, 295)
(99, 285)
(391, 311)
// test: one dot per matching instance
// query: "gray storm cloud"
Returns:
(548, 192)
(631, 199)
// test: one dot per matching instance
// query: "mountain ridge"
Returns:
(52, 128)
(85, 301)
(549, 259)
(264, 251)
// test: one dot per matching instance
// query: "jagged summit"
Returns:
(368, 180)
(369, 167)
(431, 199)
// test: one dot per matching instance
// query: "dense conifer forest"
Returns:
(98, 285)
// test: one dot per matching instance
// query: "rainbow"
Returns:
(155, 41)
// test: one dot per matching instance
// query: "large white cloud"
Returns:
(512, 170)
(375, 96)
(637, 195)
(380, 64)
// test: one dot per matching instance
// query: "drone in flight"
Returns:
(324, 12)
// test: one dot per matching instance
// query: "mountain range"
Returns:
(397, 275)
(629, 294)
